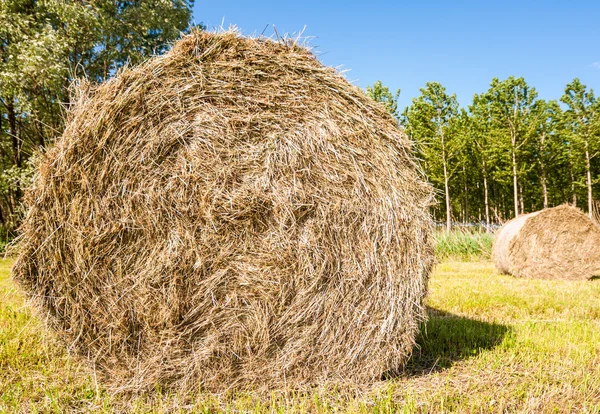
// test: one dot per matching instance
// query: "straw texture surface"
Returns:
(232, 214)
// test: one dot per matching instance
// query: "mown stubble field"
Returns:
(493, 343)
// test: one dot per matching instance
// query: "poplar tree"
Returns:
(381, 93)
(582, 122)
(548, 146)
(511, 102)
(429, 121)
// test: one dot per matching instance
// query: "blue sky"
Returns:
(461, 44)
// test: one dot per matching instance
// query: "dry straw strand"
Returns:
(232, 214)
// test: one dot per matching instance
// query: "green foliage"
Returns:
(582, 123)
(504, 153)
(381, 93)
(508, 152)
(511, 102)
(548, 148)
(131, 31)
(44, 46)
(12, 180)
(431, 121)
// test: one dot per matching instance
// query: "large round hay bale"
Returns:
(555, 243)
(230, 214)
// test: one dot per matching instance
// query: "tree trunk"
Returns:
(513, 141)
(589, 180)
(12, 127)
(39, 130)
(446, 177)
(486, 200)
(543, 169)
(521, 200)
(573, 194)
(515, 184)
(466, 217)
(15, 196)
(8, 198)
(544, 187)
(447, 190)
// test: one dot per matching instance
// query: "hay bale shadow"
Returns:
(446, 339)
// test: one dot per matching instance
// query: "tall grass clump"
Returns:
(463, 245)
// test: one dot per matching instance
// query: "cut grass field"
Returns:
(493, 343)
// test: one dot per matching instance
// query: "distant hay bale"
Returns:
(556, 243)
(230, 215)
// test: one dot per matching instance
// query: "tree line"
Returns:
(46, 45)
(507, 153)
